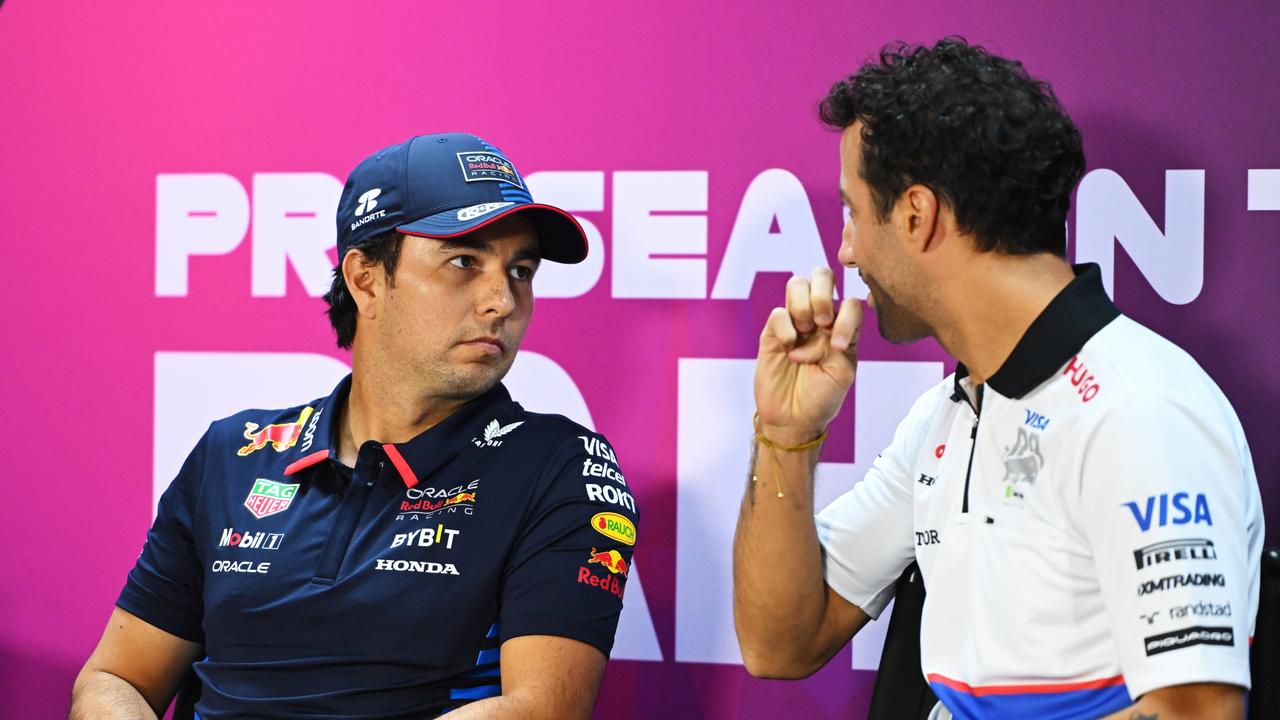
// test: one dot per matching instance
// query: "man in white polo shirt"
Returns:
(1079, 495)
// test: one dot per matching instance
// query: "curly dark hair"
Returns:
(991, 141)
(382, 249)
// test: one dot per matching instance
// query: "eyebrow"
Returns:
(454, 245)
(844, 198)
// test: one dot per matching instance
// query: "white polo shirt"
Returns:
(1088, 524)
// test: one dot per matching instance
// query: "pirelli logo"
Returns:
(1171, 550)
(1187, 637)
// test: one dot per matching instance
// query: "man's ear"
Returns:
(366, 281)
(919, 209)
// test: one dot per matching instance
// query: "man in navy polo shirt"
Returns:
(416, 543)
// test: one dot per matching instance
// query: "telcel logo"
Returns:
(250, 540)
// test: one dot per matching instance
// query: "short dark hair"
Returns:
(382, 249)
(991, 141)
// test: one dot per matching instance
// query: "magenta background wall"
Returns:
(98, 99)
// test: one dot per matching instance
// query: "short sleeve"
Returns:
(165, 587)
(866, 533)
(1167, 509)
(567, 573)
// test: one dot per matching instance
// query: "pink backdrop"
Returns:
(1178, 105)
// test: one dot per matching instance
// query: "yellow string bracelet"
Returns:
(760, 438)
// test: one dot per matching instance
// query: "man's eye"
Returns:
(520, 272)
(463, 261)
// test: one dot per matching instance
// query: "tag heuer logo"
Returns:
(269, 497)
(493, 431)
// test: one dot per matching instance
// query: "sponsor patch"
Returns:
(281, 436)
(493, 433)
(1200, 609)
(1170, 509)
(482, 165)
(426, 537)
(928, 537)
(269, 497)
(610, 560)
(423, 503)
(1170, 582)
(244, 566)
(591, 468)
(1187, 637)
(1171, 550)
(417, 566)
(475, 211)
(610, 494)
(248, 540)
(609, 583)
(615, 527)
(927, 480)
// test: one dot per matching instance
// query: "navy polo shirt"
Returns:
(384, 590)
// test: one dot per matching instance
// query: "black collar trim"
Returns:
(1073, 317)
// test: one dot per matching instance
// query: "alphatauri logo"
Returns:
(368, 201)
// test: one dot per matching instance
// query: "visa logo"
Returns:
(1036, 420)
(1157, 507)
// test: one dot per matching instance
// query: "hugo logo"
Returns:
(1086, 384)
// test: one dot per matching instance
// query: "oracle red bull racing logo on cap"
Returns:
(615, 527)
(281, 436)
(269, 497)
(481, 165)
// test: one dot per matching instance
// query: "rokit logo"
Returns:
(1186, 580)
(1155, 510)
(1170, 550)
(1187, 637)
(416, 566)
(247, 540)
(492, 432)
(610, 494)
(426, 537)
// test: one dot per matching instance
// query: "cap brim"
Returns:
(560, 237)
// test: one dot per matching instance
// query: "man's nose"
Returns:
(496, 295)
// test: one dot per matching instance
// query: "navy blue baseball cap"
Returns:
(442, 186)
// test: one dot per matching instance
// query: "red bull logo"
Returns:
(461, 497)
(281, 436)
(612, 561)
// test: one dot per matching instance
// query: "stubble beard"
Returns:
(897, 324)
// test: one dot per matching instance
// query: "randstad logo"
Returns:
(367, 201)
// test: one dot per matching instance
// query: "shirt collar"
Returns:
(1074, 316)
(419, 457)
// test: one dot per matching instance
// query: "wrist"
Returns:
(789, 436)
